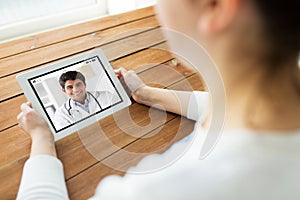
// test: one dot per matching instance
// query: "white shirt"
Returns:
(244, 165)
(84, 106)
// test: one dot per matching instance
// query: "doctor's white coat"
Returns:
(70, 113)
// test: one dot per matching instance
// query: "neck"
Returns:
(82, 101)
(262, 100)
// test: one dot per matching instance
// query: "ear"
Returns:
(63, 90)
(217, 15)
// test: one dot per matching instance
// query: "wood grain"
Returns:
(65, 49)
(138, 62)
(59, 35)
(84, 185)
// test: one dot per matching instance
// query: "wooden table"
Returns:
(132, 40)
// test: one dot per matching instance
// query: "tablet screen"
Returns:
(72, 93)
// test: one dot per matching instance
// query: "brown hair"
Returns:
(70, 75)
(281, 21)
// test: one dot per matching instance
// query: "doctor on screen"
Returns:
(81, 103)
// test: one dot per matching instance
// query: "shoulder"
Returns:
(236, 162)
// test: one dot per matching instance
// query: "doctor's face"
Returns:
(76, 90)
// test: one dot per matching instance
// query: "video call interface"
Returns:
(49, 92)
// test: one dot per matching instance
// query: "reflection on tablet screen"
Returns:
(75, 92)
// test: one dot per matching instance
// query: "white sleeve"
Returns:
(198, 106)
(43, 178)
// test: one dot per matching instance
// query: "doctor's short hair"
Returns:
(70, 75)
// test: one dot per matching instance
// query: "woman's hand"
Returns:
(132, 83)
(170, 100)
(32, 123)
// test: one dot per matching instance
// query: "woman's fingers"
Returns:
(120, 72)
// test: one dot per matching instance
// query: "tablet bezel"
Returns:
(24, 82)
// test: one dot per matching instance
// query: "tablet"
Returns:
(74, 93)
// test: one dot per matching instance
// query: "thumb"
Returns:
(26, 107)
(122, 71)
(29, 104)
(133, 81)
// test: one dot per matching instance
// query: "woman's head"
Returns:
(281, 22)
(255, 45)
(269, 30)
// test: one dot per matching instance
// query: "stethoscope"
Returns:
(70, 107)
